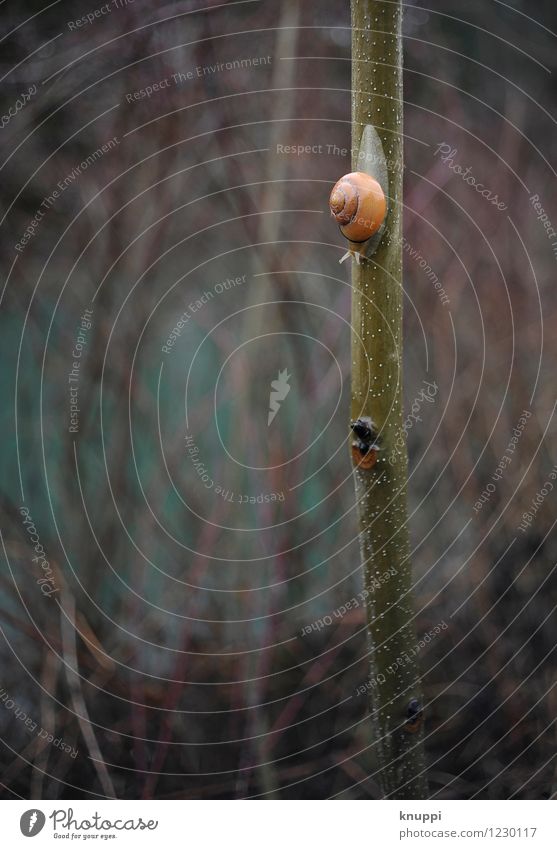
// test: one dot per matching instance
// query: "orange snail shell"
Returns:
(358, 204)
(364, 461)
(412, 726)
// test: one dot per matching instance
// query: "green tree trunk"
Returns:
(377, 393)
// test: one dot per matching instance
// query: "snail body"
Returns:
(358, 205)
(414, 717)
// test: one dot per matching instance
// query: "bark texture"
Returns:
(377, 393)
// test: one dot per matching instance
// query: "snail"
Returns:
(364, 447)
(414, 717)
(357, 203)
(364, 459)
